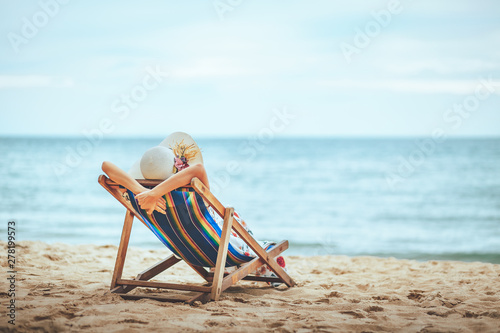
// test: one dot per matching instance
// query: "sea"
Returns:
(412, 198)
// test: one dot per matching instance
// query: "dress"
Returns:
(238, 243)
(235, 240)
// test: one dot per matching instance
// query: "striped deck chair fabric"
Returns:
(188, 229)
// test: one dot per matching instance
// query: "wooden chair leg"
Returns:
(222, 254)
(122, 249)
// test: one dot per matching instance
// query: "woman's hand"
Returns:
(151, 202)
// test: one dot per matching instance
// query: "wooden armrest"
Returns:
(208, 196)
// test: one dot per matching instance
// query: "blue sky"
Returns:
(224, 68)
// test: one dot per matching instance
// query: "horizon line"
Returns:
(277, 137)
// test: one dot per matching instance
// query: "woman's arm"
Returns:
(148, 199)
(121, 177)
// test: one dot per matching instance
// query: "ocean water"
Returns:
(404, 198)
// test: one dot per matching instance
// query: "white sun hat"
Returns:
(157, 163)
(177, 152)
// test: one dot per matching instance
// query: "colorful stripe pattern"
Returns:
(188, 229)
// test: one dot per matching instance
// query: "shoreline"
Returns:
(61, 287)
(486, 258)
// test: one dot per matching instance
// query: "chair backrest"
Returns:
(188, 229)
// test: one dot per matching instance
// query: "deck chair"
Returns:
(189, 231)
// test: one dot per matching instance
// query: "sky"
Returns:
(240, 68)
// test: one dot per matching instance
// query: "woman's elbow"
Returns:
(106, 166)
(198, 170)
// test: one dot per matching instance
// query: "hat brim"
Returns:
(135, 170)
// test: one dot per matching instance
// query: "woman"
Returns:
(184, 164)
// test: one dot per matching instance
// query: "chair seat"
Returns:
(188, 229)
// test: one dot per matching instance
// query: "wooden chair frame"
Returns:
(217, 281)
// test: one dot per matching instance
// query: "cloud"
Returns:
(456, 87)
(34, 81)
(211, 68)
(442, 66)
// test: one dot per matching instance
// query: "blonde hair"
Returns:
(180, 149)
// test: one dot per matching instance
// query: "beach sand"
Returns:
(65, 288)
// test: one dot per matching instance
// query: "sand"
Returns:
(65, 288)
